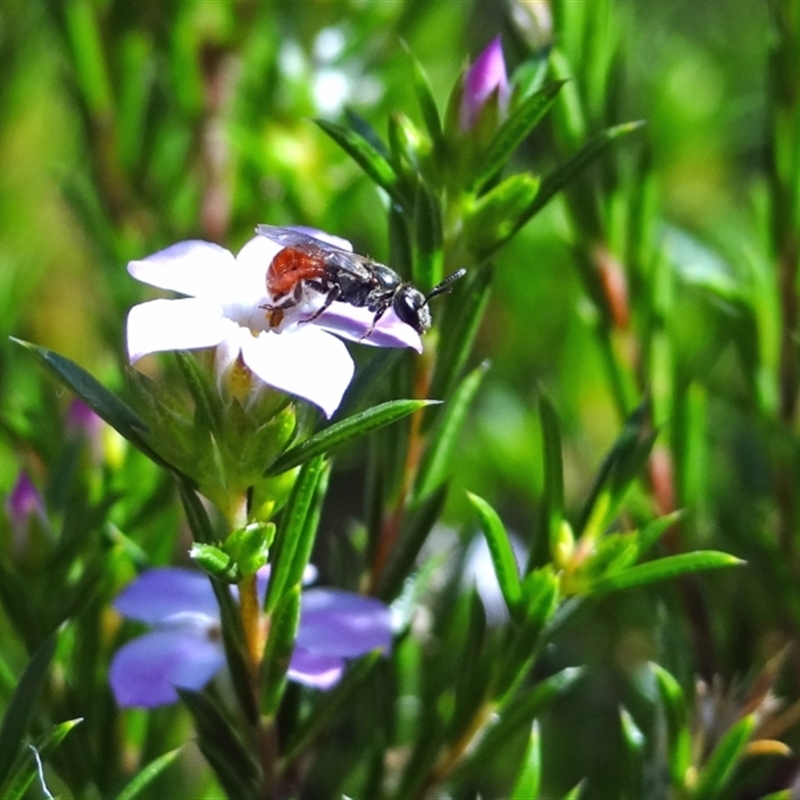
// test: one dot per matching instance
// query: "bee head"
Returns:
(411, 307)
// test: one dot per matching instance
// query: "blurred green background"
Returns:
(126, 126)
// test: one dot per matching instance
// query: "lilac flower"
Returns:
(185, 648)
(23, 504)
(224, 308)
(486, 75)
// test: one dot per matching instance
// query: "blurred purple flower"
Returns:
(23, 504)
(185, 648)
(486, 75)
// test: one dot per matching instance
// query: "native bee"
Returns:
(308, 263)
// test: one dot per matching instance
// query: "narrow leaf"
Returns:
(104, 403)
(495, 217)
(575, 792)
(515, 715)
(283, 625)
(345, 430)
(366, 156)
(562, 175)
(553, 501)
(224, 751)
(459, 328)
(428, 256)
(718, 770)
(530, 773)
(665, 568)
(679, 744)
(514, 130)
(293, 529)
(147, 775)
(445, 436)
(618, 470)
(422, 88)
(328, 706)
(505, 564)
(28, 764)
(21, 708)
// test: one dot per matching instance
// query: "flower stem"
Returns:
(392, 523)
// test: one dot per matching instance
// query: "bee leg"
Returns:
(332, 296)
(380, 311)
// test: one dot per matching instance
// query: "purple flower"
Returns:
(225, 308)
(486, 76)
(23, 505)
(185, 648)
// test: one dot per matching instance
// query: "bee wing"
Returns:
(336, 257)
(288, 237)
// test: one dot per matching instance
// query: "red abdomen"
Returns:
(291, 266)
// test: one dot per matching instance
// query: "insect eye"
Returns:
(409, 307)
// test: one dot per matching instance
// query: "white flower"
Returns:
(224, 308)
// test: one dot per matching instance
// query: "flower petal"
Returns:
(342, 623)
(487, 74)
(315, 670)
(252, 264)
(354, 323)
(175, 325)
(194, 268)
(307, 362)
(158, 594)
(146, 671)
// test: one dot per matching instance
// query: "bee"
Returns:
(308, 263)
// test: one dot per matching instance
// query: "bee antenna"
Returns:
(444, 286)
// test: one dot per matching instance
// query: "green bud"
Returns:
(215, 562)
(248, 547)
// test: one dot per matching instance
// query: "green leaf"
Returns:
(498, 214)
(516, 714)
(27, 764)
(618, 470)
(227, 755)
(553, 500)
(196, 515)
(297, 530)
(564, 174)
(651, 533)
(22, 706)
(345, 430)
(529, 776)
(459, 328)
(505, 564)
(664, 569)
(575, 792)
(232, 632)
(147, 775)
(104, 403)
(283, 624)
(367, 157)
(88, 57)
(417, 525)
(445, 435)
(679, 740)
(327, 707)
(474, 677)
(539, 603)
(215, 562)
(207, 411)
(716, 774)
(427, 104)
(428, 256)
(512, 132)
(634, 741)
